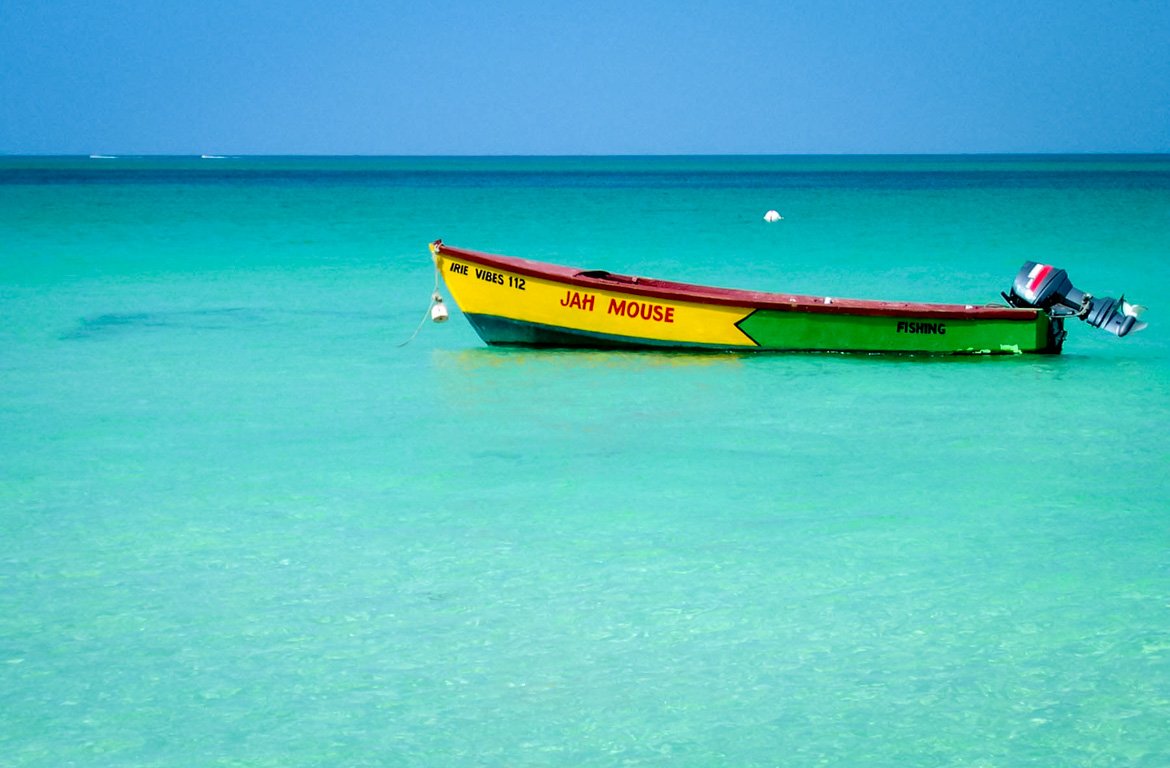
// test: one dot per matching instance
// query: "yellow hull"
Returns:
(483, 291)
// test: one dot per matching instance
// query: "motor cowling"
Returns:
(1045, 287)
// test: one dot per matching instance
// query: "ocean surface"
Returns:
(243, 524)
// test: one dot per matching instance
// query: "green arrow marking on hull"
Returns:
(779, 330)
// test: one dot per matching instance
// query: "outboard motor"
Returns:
(1045, 287)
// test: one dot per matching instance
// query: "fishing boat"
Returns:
(519, 302)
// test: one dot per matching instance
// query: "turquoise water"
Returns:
(241, 526)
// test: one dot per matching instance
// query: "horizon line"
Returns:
(113, 155)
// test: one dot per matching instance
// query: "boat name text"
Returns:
(575, 300)
(935, 328)
(635, 310)
(641, 309)
(488, 276)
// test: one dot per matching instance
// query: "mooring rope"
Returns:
(436, 298)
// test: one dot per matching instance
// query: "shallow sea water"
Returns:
(240, 525)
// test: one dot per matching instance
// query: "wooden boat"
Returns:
(517, 302)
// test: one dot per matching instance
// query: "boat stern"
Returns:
(1044, 287)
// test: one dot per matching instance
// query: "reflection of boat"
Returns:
(517, 302)
(478, 359)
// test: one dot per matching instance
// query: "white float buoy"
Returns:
(438, 311)
(772, 216)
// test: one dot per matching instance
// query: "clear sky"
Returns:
(590, 77)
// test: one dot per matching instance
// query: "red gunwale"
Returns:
(664, 289)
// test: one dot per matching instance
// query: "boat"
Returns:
(513, 301)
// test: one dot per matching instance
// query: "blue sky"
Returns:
(591, 77)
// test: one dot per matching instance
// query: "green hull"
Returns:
(782, 330)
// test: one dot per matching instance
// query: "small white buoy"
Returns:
(438, 311)
(772, 216)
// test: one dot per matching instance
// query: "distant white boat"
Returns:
(212, 157)
(103, 157)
